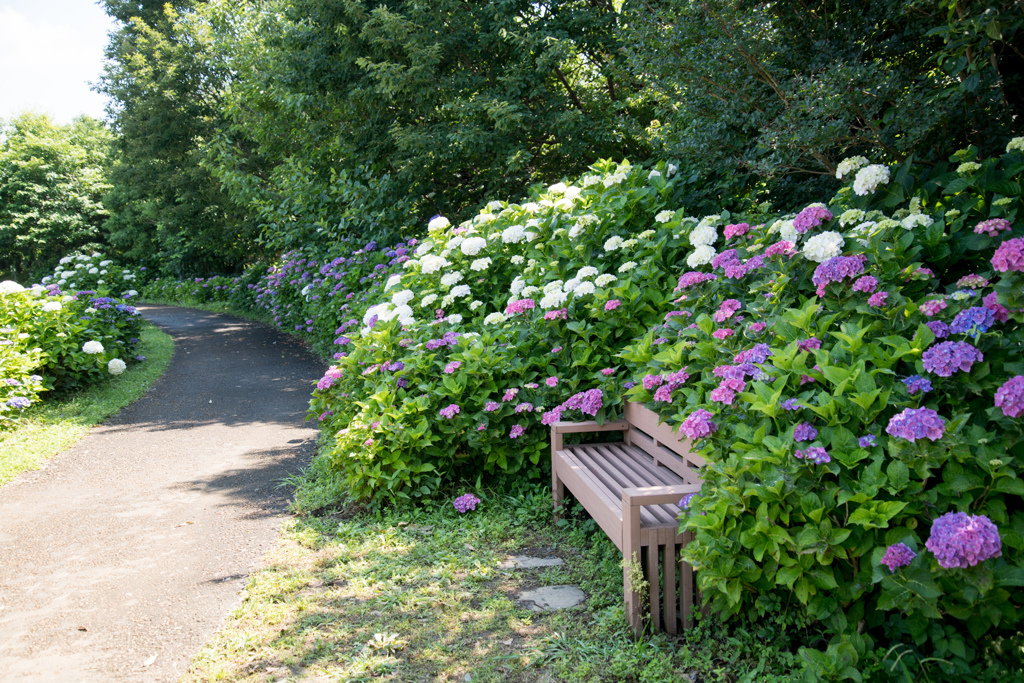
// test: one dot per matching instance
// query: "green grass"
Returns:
(415, 593)
(52, 426)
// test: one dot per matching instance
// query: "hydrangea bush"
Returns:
(62, 341)
(95, 273)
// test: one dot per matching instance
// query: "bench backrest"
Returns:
(662, 442)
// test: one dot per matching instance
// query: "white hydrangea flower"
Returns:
(424, 248)
(513, 234)
(788, 231)
(849, 165)
(528, 292)
(403, 297)
(613, 243)
(572, 192)
(517, 285)
(454, 243)
(869, 178)
(968, 167)
(94, 271)
(627, 266)
(553, 299)
(446, 253)
(700, 256)
(480, 264)
(475, 305)
(495, 205)
(604, 280)
(645, 235)
(428, 300)
(670, 170)
(584, 289)
(703, 235)
(585, 272)
(104, 264)
(460, 291)
(532, 207)
(404, 315)
(392, 281)
(116, 366)
(10, 287)
(629, 244)
(82, 257)
(851, 216)
(517, 259)
(52, 307)
(494, 319)
(590, 180)
(557, 188)
(571, 284)
(655, 173)
(553, 286)
(665, 216)
(863, 228)
(823, 246)
(130, 293)
(66, 259)
(438, 223)
(1015, 145)
(472, 246)
(431, 263)
(449, 279)
(614, 179)
(379, 310)
(92, 348)
(411, 263)
(576, 230)
(916, 219)
(530, 236)
(454, 318)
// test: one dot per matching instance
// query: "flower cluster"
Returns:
(814, 454)
(959, 540)
(917, 423)
(1010, 397)
(898, 555)
(946, 358)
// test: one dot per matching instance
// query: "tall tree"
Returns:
(52, 181)
(371, 114)
(167, 209)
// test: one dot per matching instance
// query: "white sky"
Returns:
(50, 51)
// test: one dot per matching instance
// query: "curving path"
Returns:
(121, 557)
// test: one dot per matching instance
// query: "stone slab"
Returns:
(550, 598)
(527, 562)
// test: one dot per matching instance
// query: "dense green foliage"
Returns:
(368, 116)
(167, 211)
(52, 180)
(787, 89)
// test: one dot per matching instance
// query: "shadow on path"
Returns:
(121, 557)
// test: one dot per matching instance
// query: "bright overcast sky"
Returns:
(50, 51)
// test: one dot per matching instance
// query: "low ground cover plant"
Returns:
(851, 371)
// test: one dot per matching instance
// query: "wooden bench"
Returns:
(632, 489)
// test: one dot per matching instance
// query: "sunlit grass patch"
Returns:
(52, 426)
(417, 594)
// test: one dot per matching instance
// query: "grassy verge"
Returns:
(418, 594)
(50, 427)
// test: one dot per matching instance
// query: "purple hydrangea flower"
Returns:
(972, 321)
(698, 425)
(916, 383)
(516, 431)
(810, 344)
(811, 217)
(878, 299)
(866, 441)
(18, 402)
(791, 404)
(491, 406)
(898, 555)
(946, 358)
(814, 454)
(465, 502)
(692, 278)
(804, 432)
(687, 500)
(837, 269)
(1010, 397)
(959, 540)
(867, 284)
(938, 328)
(450, 411)
(917, 423)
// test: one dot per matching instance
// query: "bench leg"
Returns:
(557, 487)
(669, 567)
(686, 584)
(631, 548)
(653, 585)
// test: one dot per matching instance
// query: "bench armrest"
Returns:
(656, 495)
(588, 426)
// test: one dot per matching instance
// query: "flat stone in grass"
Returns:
(550, 598)
(527, 562)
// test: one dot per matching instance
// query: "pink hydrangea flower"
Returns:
(722, 333)
(756, 327)
(992, 227)
(811, 217)
(698, 425)
(450, 411)
(898, 555)
(551, 381)
(878, 299)
(516, 431)
(452, 367)
(560, 314)
(1009, 256)
(612, 304)
(932, 307)
(959, 540)
(608, 371)
(781, 248)
(520, 306)
(735, 229)
(509, 395)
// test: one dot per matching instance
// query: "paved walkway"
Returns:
(121, 558)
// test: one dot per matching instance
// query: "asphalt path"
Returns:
(123, 556)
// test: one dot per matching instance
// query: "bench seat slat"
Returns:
(617, 467)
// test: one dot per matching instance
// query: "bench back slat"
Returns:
(662, 443)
